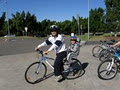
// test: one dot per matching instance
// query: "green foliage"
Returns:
(2, 20)
(97, 20)
(101, 20)
(113, 14)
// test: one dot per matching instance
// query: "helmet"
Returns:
(53, 28)
(73, 38)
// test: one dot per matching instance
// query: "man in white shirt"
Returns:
(57, 43)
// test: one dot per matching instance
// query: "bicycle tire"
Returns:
(96, 51)
(107, 74)
(104, 55)
(75, 73)
(31, 71)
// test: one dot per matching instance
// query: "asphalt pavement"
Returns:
(20, 46)
(16, 56)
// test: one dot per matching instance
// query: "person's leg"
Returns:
(58, 64)
(70, 56)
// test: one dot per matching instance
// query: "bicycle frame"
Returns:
(117, 55)
(43, 58)
(110, 65)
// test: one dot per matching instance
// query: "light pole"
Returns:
(88, 19)
(81, 31)
(78, 26)
(7, 17)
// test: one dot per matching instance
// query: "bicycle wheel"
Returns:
(106, 70)
(35, 72)
(104, 55)
(96, 51)
(73, 70)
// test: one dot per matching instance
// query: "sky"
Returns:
(58, 10)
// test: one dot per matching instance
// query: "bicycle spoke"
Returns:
(96, 51)
(107, 70)
(73, 70)
(35, 72)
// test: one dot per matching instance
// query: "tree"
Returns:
(96, 20)
(84, 23)
(66, 27)
(17, 24)
(112, 14)
(74, 27)
(45, 24)
(2, 21)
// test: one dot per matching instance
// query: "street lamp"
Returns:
(81, 31)
(88, 19)
(78, 26)
(7, 17)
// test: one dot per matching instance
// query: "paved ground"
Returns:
(20, 46)
(12, 69)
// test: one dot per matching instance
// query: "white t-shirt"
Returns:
(58, 43)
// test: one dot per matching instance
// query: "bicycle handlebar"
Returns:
(113, 49)
(40, 52)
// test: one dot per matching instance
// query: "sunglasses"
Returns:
(72, 39)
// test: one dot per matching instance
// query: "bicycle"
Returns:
(108, 69)
(105, 54)
(96, 51)
(37, 71)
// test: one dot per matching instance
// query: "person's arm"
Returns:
(57, 43)
(75, 48)
(116, 44)
(40, 45)
(47, 42)
(51, 48)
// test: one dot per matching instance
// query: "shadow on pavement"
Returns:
(46, 77)
(84, 65)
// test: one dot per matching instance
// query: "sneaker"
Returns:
(58, 78)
